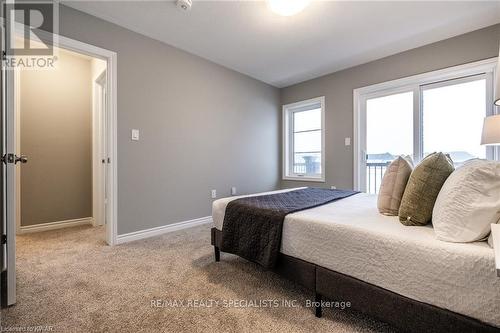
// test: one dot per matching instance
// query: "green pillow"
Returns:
(423, 188)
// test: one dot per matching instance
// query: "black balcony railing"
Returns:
(308, 168)
(374, 173)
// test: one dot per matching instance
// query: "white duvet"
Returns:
(351, 237)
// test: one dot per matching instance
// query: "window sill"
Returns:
(305, 179)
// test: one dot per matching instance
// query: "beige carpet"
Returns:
(71, 280)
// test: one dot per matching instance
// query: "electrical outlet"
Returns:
(233, 190)
(214, 194)
(347, 141)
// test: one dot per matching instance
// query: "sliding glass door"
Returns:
(441, 112)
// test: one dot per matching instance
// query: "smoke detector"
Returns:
(184, 5)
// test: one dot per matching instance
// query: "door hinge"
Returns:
(4, 239)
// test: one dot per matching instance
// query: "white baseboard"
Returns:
(146, 233)
(54, 225)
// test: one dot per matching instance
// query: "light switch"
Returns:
(347, 141)
(135, 134)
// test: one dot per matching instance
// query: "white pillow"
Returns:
(468, 202)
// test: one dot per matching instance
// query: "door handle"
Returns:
(14, 159)
(23, 159)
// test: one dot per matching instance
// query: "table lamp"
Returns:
(491, 126)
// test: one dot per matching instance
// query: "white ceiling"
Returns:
(326, 37)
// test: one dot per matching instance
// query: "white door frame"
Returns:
(411, 83)
(111, 86)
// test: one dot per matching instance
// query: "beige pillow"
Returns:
(393, 185)
(423, 188)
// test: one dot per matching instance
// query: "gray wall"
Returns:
(202, 127)
(338, 91)
(56, 135)
(206, 127)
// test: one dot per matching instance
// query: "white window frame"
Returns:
(415, 83)
(288, 111)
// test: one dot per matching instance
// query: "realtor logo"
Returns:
(31, 29)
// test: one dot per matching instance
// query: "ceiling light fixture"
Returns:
(287, 7)
(184, 5)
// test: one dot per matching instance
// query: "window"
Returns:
(303, 140)
(419, 115)
(453, 113)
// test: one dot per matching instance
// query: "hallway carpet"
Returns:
(71, 281)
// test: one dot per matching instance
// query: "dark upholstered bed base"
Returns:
(402, 312)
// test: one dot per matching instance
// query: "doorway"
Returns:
(105, 138)
(58, 125)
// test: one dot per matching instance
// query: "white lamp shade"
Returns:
(491, 131)
(497, 92)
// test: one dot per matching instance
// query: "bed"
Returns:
(402, 275)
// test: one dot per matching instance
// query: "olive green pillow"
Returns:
(423, 188)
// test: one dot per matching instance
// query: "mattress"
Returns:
(350, 236)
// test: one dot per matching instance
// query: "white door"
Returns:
(104, 115)
(104, 152)
(4, 294)
(10, 162)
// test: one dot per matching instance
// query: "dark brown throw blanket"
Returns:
(253, 225)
